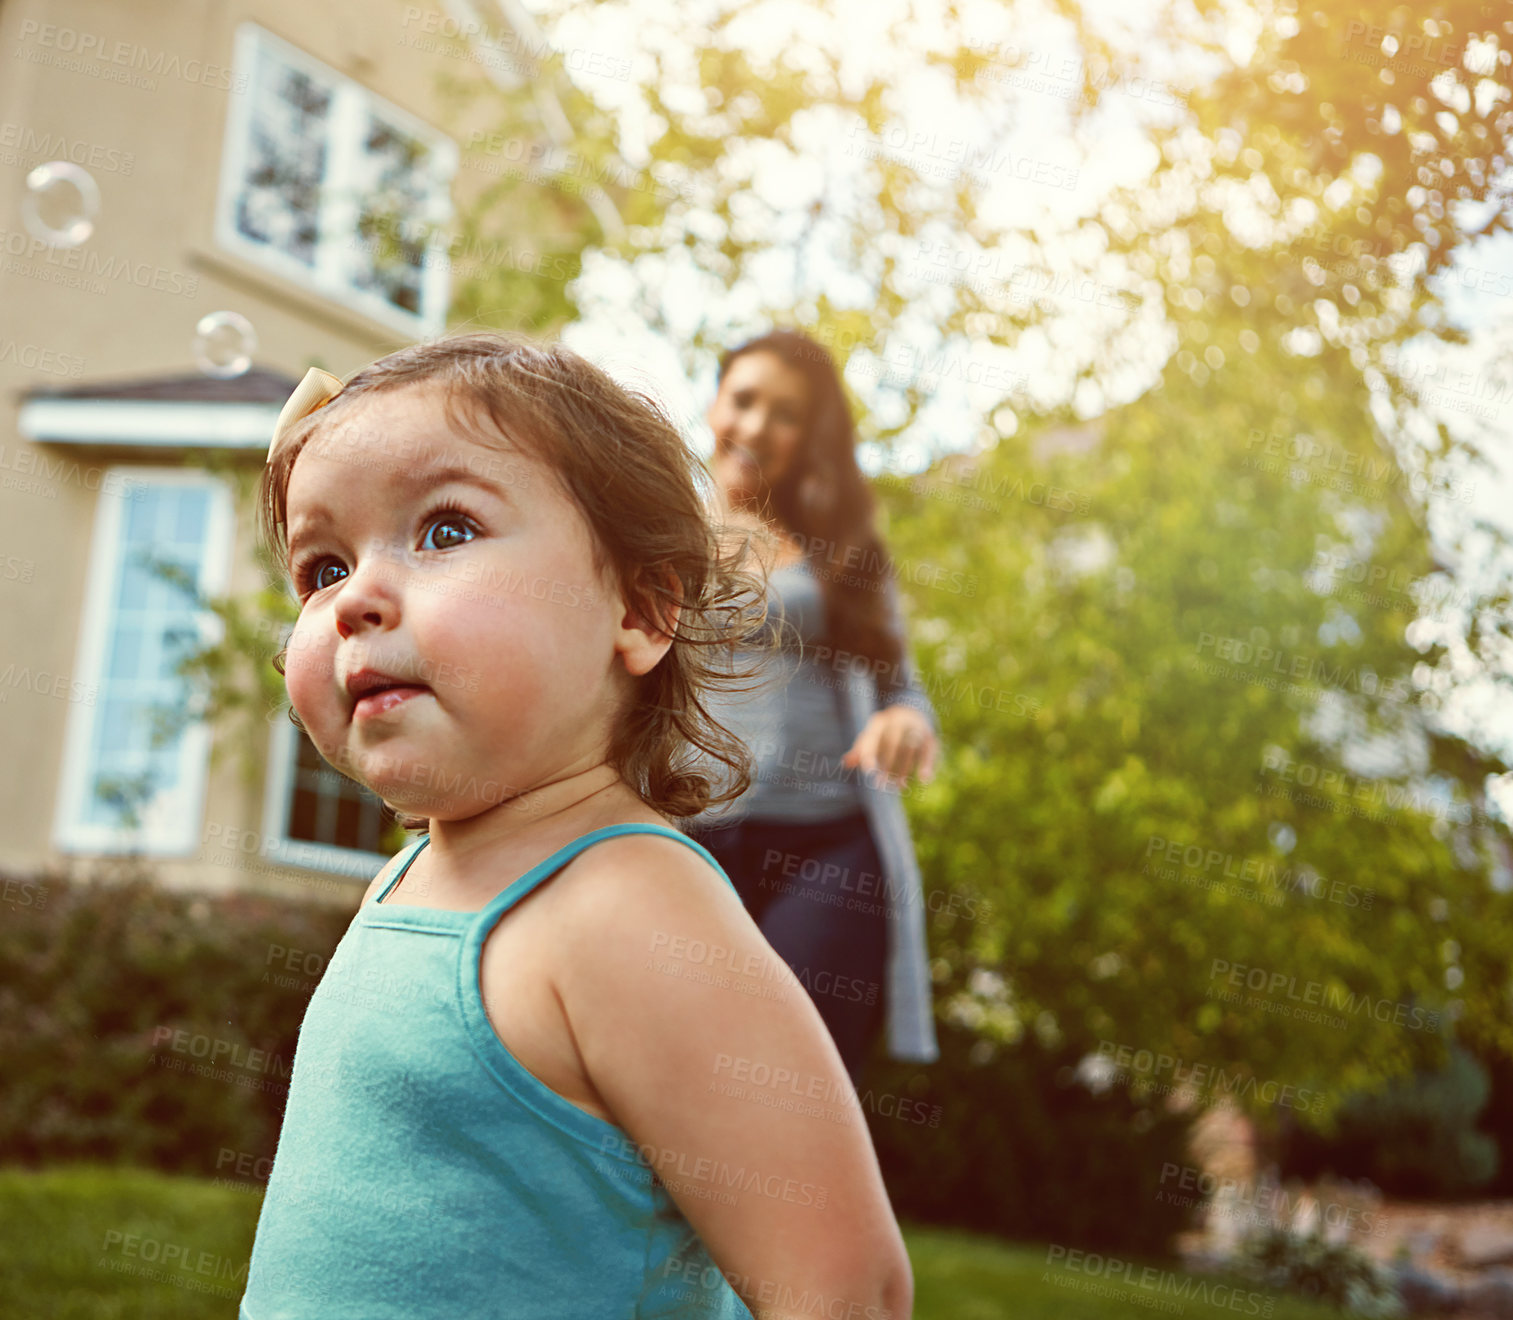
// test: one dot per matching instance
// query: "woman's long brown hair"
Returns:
(825, 499)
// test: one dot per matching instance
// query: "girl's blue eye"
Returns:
(318, 578)
(446, 531)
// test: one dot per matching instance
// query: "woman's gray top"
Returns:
(794, 722)
(857, 691)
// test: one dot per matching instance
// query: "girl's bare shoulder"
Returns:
(635, 896)
(644, 871)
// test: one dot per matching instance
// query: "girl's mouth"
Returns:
(384, 700)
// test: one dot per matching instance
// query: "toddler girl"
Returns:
(553, 1069)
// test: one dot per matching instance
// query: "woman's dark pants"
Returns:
(815, 890)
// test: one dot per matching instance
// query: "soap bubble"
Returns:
(224, 343)
(60, 204)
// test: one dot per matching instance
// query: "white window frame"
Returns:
(355, 864)
(170, 825)
(336, 221)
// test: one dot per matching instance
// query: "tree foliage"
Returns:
(1205, 503)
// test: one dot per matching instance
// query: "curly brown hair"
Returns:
(619, 457)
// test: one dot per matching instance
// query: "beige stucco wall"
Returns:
(156, 157)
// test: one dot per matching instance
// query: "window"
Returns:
(335, 189)
(134, 760)
(315, 818)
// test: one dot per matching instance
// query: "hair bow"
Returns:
(316, 390)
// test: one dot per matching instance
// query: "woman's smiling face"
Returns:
(454, 628)
(758, 418)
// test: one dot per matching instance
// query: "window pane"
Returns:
(279, 202)
(189, 526)
(125, 654)
(327, 807)
(142, 514)
(302, 814)
(394, 181)
(136, 742)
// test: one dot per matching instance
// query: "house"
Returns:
(238, 192)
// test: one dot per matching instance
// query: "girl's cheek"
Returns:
(308, 673)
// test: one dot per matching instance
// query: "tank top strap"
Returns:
(518, 889)
(398, 875)
(545, 869)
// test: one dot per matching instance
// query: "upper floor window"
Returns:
(334, 188)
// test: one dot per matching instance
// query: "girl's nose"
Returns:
(370, 596)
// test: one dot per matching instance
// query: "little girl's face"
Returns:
(455, 641)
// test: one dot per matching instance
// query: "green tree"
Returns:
(1241, 325)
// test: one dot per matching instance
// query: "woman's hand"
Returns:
(897, 740)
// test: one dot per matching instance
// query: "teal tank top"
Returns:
(423, 1171)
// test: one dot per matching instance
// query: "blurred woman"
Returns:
(818, 846)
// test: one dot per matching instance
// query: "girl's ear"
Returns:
(644, 634)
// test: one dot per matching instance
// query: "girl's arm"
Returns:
(712, 1057)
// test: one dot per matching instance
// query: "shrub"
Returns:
(1416, 1137)
(1325, 1271)
(96, 979)
(1023, 1150)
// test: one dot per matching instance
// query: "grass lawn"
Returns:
(66, 1233)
